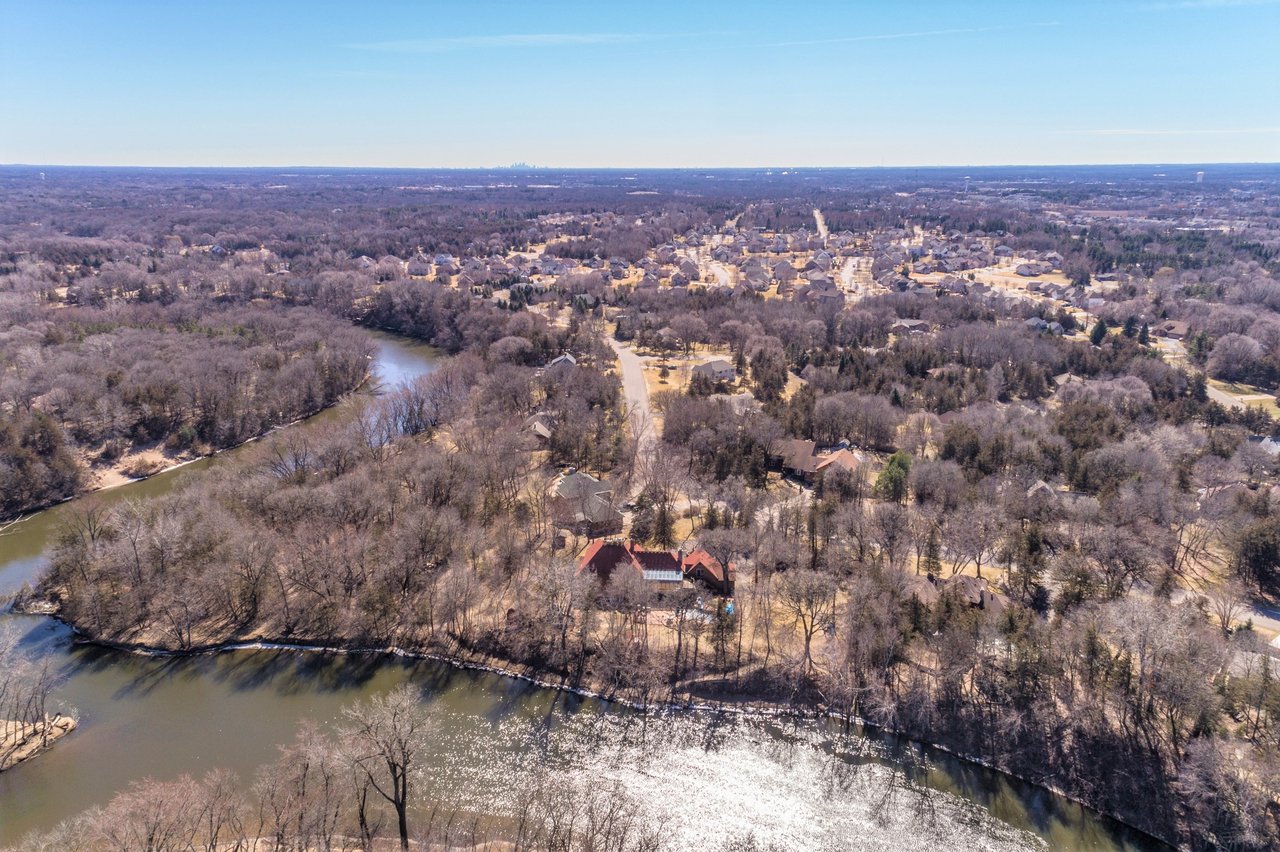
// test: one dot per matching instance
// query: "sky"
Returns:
(695, 83)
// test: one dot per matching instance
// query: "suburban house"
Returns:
(975, 592)
(909, 326)
(584, 504)
(972, 591)
(798, 458)
(718, 370)
(1043, 496)
(701, 567)
(1173, 330)
(755, 277)
(540, 425)
(664, 570)
(1267, 443)
(1039, 324)
(563, 358)
(801, 459)
(1041, 489)
(842, 459)
(446, 265)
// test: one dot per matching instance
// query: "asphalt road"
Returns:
(821, 222)
(636, 394)
(1262, 616)
(1223, 398)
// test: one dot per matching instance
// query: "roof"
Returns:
(581, 498)
(840, 459)
(1040, 486)
(663, 575)
(708, 563)
(719, 365)
(922, 589)
(798, 454)
(975, 592)
(578, 484)
(540, 424)
(602, 556)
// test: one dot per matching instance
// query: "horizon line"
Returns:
(523, 167)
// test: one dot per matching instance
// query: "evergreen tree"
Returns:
(1198, 388)
(891, 484)
(664, 527)
(1099, 332)
(1198, 346)
(933, 554)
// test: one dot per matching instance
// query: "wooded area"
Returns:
(1052, 551)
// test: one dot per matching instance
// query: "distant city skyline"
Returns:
(653, 85)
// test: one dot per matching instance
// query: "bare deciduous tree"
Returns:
(387, 735)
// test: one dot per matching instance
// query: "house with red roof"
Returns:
(664, 570)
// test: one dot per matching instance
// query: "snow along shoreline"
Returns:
(765, 710)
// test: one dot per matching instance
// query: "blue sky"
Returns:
(637, 84)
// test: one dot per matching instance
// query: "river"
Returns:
(705, 778)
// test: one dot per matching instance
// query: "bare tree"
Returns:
(1227, 603)
(387, 734)
(809, 598)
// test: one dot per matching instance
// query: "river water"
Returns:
(704, 778)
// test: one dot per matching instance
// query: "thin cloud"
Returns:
(535, 40)
(354, 75)
(1209, 4)
(509, 40)
(1127, 131)
(909, 35)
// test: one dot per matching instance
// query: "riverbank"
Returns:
(118, 475)
(21, 741)
(740, 705)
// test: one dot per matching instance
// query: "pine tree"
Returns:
(933, 554)
(664, 527)
(1099, 332)
(891, 484)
